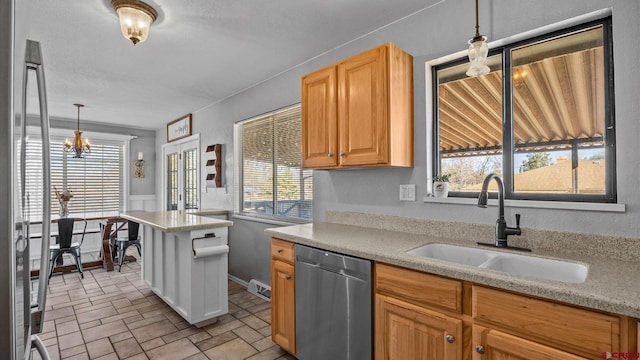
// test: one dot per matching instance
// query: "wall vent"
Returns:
(259, 289)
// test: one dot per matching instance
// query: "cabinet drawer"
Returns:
(584, 332)
(282, 250)
(419, 288)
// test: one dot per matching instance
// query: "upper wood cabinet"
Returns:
(320, 119)
(359, 112)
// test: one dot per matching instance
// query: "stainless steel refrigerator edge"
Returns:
(8, 320)
(15, 291)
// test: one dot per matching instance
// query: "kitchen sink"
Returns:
(452, 253)
(521, 265)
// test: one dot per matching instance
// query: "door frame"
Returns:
(179, 143)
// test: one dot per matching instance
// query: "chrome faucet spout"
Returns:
(502, 230)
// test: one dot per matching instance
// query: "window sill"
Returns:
(267, 220)
(533, 204)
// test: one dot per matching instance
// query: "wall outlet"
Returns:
(408, 192)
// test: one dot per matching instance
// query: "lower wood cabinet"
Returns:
(494, 344)
(283, 295)
(405, 331)
(429, 317)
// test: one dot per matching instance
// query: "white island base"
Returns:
(188, 269)
(195, 287)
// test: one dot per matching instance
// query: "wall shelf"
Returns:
(214, 165)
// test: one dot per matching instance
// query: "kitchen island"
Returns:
(184, 260)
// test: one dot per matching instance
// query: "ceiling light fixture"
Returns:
(478, 50)
(136, 18)
(79, 148)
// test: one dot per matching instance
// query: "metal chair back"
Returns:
(65, 231)
(133, 228)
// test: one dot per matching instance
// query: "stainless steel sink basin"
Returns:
(515, 264)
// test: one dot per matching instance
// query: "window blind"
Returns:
(273, 181)
(95, 181)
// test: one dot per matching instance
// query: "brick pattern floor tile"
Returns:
(114, 315)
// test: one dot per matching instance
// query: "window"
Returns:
(542, 118)
(271, 179)
(96, 180)
(181, 173)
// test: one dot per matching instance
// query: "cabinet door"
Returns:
(319, 119)
(283, 324)
(489, 344)
(404, 331)
(363, 109)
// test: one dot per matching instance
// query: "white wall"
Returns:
(430, 34)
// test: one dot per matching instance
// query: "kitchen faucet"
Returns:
(502, 230)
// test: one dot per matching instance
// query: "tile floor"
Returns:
(113, 315)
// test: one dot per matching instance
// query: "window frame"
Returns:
(505, 48)
(239, 175)
(57, 135)
(177, 145)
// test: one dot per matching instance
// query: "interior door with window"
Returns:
(181, 179)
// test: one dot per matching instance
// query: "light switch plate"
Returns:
(408, 192)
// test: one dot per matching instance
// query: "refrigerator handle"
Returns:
(33, 60)
(37, 344)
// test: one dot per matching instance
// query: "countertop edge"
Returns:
(574, 294)
(208, 224)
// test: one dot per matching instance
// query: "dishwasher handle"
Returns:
(357, 269)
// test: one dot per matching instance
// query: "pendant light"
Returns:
(78, 147)
(478, 50)
(136, 18)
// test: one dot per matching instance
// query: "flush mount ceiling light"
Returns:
(78, 147)
(136, 18)
(478, 50)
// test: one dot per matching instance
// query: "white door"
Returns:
(181, 174)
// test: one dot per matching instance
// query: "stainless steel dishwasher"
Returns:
(333, 305)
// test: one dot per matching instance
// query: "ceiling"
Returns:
(199, 52)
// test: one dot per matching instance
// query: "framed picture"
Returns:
(179, 128)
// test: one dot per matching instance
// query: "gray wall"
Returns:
(249, 251)
(430, 34)
(147, 184)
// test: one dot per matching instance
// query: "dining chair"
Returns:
(120, 244)
(65, 243)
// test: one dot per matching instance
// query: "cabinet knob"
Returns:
(287, 277)
(330, 154)
(450, 339)
(480, 349)
(280, 251)
(342, 153)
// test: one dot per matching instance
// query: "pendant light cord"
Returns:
(477, 21)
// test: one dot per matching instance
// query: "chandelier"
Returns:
(478, 50)
(136, 18)
(78, 147)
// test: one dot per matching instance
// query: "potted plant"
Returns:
(441, 186)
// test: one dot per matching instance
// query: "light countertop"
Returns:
(207, 212)
(611, 285)
(176, 220)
